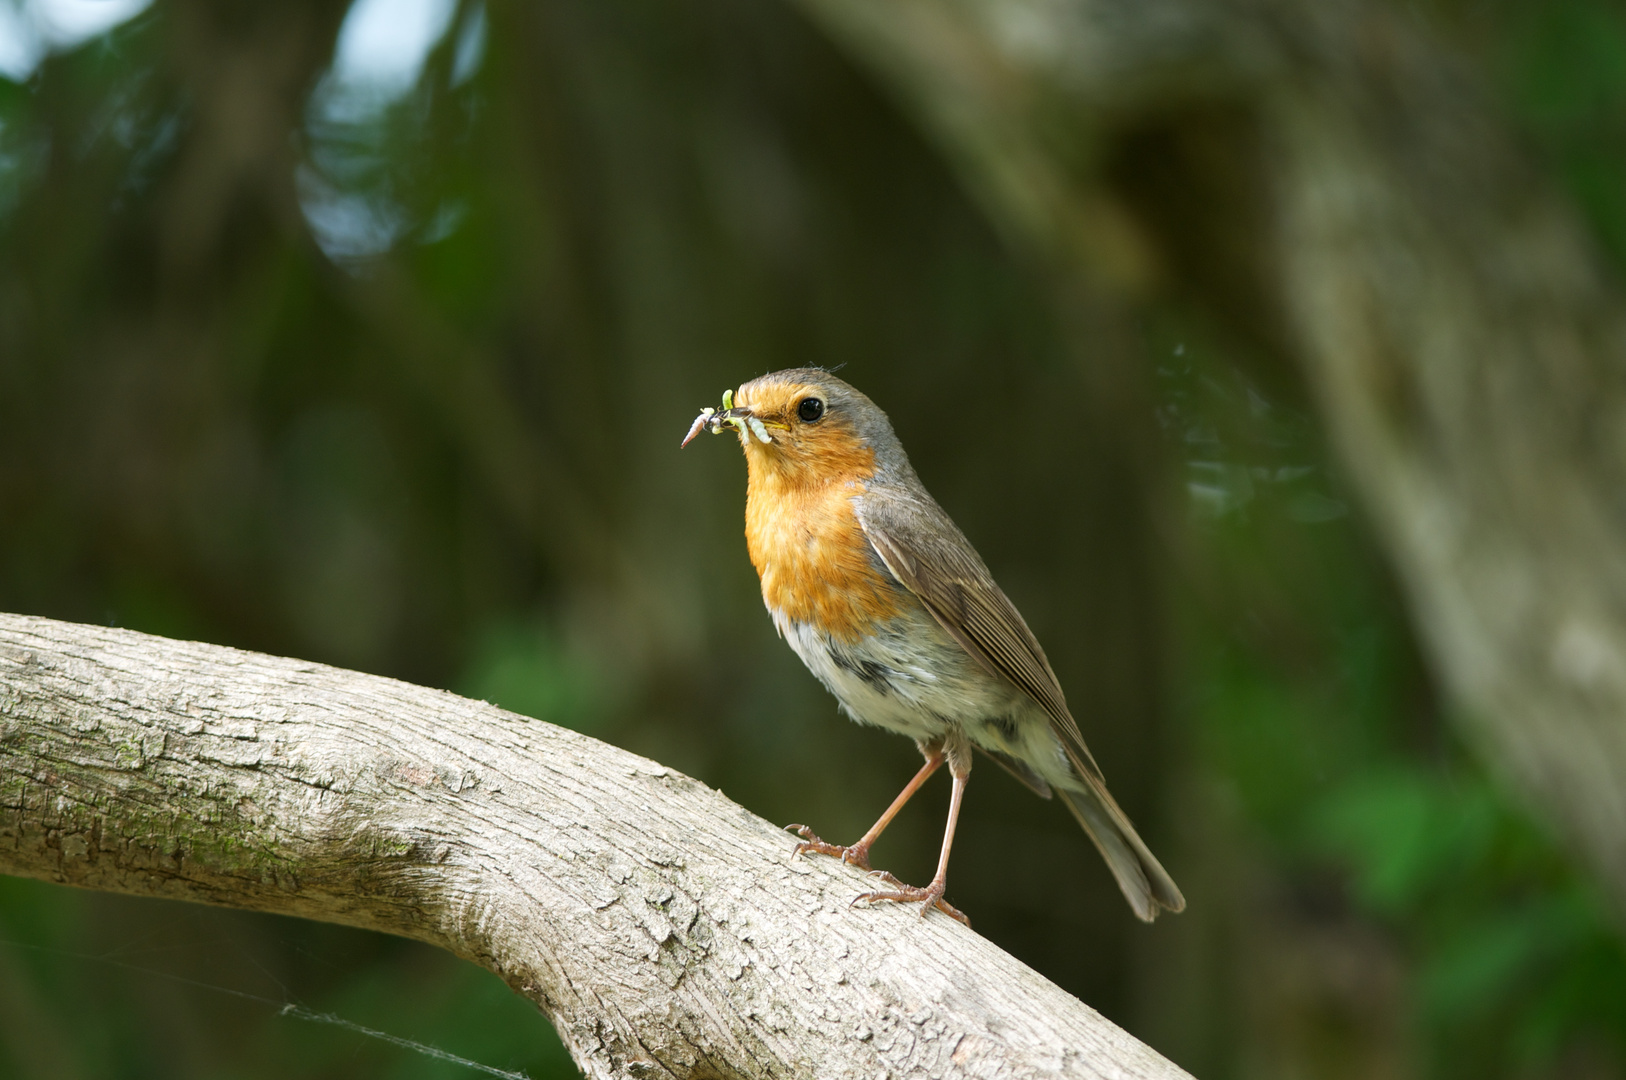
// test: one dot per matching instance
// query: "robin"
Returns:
(890, 606)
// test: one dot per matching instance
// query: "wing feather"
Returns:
(925, 550)
(940, 567)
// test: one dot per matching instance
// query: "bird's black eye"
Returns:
(810, 409)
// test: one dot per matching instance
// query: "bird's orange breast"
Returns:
(809, 549)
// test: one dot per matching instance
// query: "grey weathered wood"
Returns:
(664, 929)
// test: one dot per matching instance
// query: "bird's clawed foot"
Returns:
(857, 855)
(929, 897)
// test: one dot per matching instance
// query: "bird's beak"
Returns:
(738, 417)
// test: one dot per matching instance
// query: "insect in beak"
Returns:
(739, 418)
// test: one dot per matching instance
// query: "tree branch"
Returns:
(664, 929)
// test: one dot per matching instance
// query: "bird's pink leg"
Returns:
(932, 895)
(858, 854)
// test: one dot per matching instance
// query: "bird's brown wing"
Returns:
(926, 551)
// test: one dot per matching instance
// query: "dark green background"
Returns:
(455, 461)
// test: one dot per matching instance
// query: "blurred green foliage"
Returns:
(1307, 698)
(395, 381)
(1562, 69)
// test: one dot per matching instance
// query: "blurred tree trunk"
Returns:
(663, 929)
(1325, 178)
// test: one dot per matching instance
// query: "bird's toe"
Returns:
(929, 897)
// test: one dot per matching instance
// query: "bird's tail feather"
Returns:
(1145, 884)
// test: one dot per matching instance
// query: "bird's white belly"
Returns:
(909, 677)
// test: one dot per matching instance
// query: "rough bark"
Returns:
(664, 929)
(1337, 185)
